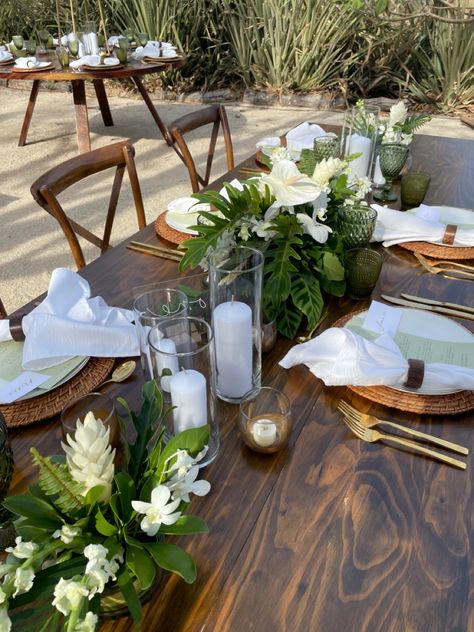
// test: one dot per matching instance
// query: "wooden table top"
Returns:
(332, 534)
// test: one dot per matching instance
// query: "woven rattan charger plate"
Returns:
(451, 404)
(170, 234)
(28, 411)
(439, 252)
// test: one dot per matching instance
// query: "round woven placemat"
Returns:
(170, 234)
(451, 404)
(439, 252)
(37, 408)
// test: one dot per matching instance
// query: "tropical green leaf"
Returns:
(173, 558)
(141, 565)
(288, 320)
(102, 525)
(306, 295)
(55, 480)
(125, 583)
(192, 440)
(126, 493)
(332, 267)
(38, 512)
(185, 526)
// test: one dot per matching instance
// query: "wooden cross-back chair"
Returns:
(214, 115)
(48, 186)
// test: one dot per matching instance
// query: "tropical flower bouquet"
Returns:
(291, 215)
(85, 527)
(400, 126)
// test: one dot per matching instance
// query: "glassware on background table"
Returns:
(63, 55)
(101, 406)
(363, 267)
(356, 224)
(265, 420)
(393, 157)
(150, 307)
(183, 363)
(413, 188)
(44, 36)
(359, 136)
(325, 147)
(142, 39)
(130, 35)
(30, 46)
(73, 44)
(90, 41)
(121, 54)
(18, 41)
(235, 280)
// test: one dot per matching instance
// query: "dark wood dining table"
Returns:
(332, 534)
(133, 69)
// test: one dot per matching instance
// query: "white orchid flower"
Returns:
(289, 185)
(182, 486)
(23, 581)
(398, 114)
(68, 595)
(319, 232)
(157, 512)
(22, 550)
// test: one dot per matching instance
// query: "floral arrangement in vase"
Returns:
(400, 126)
(87, 528)
(291, 215)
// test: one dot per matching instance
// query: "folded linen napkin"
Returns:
(69, 322)
(94, 60)
(5, 55)
(27, 62)
(394, 227)
(339, 356)
(155, 49)
(302, 136)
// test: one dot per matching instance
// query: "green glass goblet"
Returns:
(44, 38)
(129, 34)
(73, 45)
(30, 46)
(142, 39)
(18, 41)
(123, 43)
(356, 224)
(392, 160)
(121, 54)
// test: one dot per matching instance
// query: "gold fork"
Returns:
(369, 421)
(372, 435)
(436, 269)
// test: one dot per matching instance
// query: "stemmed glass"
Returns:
(18, 41)
(129, 34)
(73, 45)
(44, 36)
(142, 39)
(392, 160)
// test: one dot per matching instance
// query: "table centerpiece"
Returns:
(89, 526)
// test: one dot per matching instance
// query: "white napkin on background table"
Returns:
(69, 322)
(4, 54)
(302, 136)
(155, 49)
(93, 60)
(27, 62)
(339, 357)
(394, 227)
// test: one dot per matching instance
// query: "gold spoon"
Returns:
(121, 373)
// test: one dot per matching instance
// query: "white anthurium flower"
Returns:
(289, 185)
(67, 533)
(90, 457)
(319, 232)
(88, 624)
(23, 581)
(325, 171)
(182, 486)
(5, 623)
(398, 114)
(68, 595)
(22, 550)
(157, 512)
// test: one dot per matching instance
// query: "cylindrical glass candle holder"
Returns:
(356, 224)
(265, 421)
(359, 136)
(183, 364)
(90, 40)
(151, 307)
(236, 291)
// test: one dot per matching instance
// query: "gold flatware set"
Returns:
(156, 251)
(447, 269)
(440, 307)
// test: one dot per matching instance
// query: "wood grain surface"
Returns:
(332, 534)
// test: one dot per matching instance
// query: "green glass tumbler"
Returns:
(325, 147)
(413, 188)
(121, 54)
(393, 157)
(363, 268)
(356, 224)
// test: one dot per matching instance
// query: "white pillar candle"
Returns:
(264, 432)
(233, 341)
(189, 396)
(379, 180)
(360, 144)
(164, 361)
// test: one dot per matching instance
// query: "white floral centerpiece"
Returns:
(291, 215)
(86, 526)
(400, 126)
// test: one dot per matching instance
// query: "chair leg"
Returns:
(82, 120)
(103, 102)
(153, 111)
(29, 113)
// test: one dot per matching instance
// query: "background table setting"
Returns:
(384, 537)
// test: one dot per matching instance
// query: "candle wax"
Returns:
(164, 361)
(264, 432)
(189, 396)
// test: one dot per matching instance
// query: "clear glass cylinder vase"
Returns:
(235, 280)
(359, 136)
(183, 365)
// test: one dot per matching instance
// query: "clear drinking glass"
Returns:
(235, 280)
(183, 365)
(265, 419)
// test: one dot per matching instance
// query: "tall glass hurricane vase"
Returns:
(359, 136)
(236, 292)
(393, 157)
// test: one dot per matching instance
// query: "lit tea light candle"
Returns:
(232, 322)
(164, 361)
(189, 396)
(264, 432)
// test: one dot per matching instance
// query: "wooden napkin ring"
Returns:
(416, 373)
(449, 234)
(16, 329)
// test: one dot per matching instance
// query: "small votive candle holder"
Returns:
(265, 419)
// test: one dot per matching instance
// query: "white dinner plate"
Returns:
(429, 328)
(183, 205)
(461, 217)
(43, 65)
(182, 222)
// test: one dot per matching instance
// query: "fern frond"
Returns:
(55, 480)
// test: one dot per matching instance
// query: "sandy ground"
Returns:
(31, 242)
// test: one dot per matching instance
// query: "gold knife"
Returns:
(431, 301)
(153, 253)
(431, 308)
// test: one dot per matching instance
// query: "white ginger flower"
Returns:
(90, 457)
(68, 595)
(289, 185)
(182, 486)
(319, 232)
(67, 533)
(398, 114)
(88, 624)
(157, 512)
(22, 550)
(325, 170)
(5, 623)
(23, 581)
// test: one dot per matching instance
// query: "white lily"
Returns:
(325, 170)
(289, 186)
(67, 533)
(88, 624)
(319, 232)
(157, 512)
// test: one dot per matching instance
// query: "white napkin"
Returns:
(394, 227)
(236, 184)
(94, 60)
(114, 39)
(4, 54)
(27, 62)
(155, 49)
(302, 136)
(69, 322)
(339, 356)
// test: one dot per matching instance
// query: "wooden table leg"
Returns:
(103, 102)
(82, 120)
(29, 113)
(153, 110)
